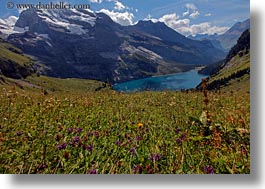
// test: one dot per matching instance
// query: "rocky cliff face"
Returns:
(84, 44)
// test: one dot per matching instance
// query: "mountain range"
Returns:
(227, 40)
(84, 44)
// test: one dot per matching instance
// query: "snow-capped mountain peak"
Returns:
(72, 21)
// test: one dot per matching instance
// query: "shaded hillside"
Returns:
(13, 63)
(236, 68)
(18, 70)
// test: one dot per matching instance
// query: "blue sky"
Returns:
(188, 17)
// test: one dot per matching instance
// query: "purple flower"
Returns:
(146, 129)
(71, 143)
(138, 138)
(88, 148)
(118, 142)
(179, 141)
(62, 146)
(79, 130)
(70, 130)
(76, 138)
(42, 166)
(209, 169)
(183, 136)
(19, 133)
(177, 130)
(138, 169)
(93, 171)
(155, 157)
(133, 151)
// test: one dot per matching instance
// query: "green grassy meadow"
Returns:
(106, 132)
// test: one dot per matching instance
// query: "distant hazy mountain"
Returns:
(228, 39)
(84, 44)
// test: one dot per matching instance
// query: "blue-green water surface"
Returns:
(178, 81)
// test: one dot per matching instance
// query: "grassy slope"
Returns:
(13, 63)
(9, 52)
(234, 73)
(235, 65)
(51, 85)
(65, 85)
(108, 117)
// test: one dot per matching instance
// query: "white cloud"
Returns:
(216, 29)
(194, 15)
(192, 11)
(10, 21)
(207, 28)
(96, 1)
(122, 18)
(185, 13)
(200, 28)
(208, 14)
(191, 6)
(119, 6)
(184, 27)
(169, 18)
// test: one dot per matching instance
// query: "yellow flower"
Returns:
(140, 125)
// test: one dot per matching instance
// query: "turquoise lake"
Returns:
(178, 81)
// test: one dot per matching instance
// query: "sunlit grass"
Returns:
(113, 133)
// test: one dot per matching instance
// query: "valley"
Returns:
(81, 94)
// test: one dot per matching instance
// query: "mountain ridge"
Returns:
(89, 45)
(228, 39)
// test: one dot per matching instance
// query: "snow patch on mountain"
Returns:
(70, 20)
(67, 19)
